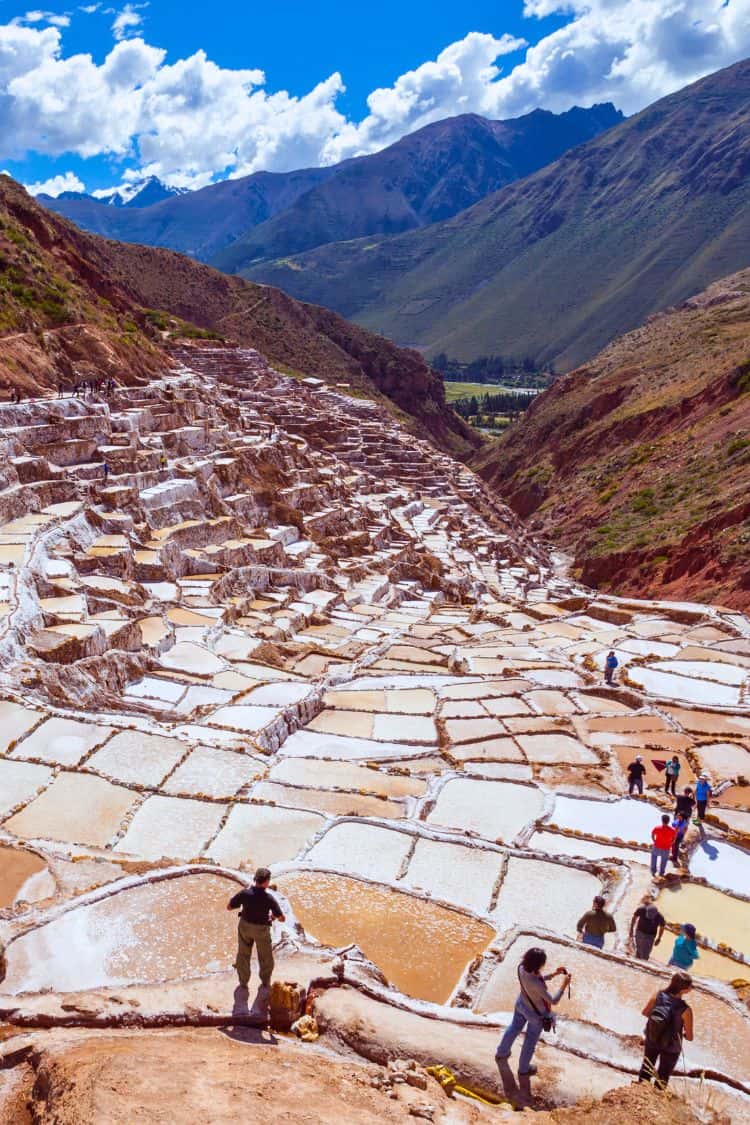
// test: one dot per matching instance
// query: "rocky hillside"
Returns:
(558, 264)
(73, 304)
(639, 462)
(429, 175)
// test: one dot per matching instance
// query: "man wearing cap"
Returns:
(636, 770)
(646, 926)
(258, 907)
(702, 793)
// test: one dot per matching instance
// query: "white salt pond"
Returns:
(724, 759)
(462, 875)
(556, 748)
(626, 819)
(311, 744)
(15, 721)
(362, 849)
(61, 741)
(669, 685)
(723, 866)
(211, 772)
(171, 828)
(263, 835)
(342, 775)
(76, 808)
(535, 893)
(135, 757)
(19, 782)
(422, 948)
(144, 934)
(494, 809)
(555, 844)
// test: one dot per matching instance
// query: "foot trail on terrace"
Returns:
(283, 631)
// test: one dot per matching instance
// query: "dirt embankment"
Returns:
(639, 462)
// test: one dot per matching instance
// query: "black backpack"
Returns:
(664, 1026)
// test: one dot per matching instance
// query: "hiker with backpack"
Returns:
(595, 923)
(685, 803)
(669, 1020)
(533, 1009)
(646, 927)
(680, 825)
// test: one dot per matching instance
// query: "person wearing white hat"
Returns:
(636, 770)
(703, 793)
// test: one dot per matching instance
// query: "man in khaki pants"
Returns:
(254, 928)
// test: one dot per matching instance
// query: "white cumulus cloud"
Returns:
(190, 120)
(55, 185)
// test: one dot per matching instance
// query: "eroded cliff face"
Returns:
(638, 463)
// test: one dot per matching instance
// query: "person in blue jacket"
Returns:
(702, 793)
(609, 666)
(685, 951)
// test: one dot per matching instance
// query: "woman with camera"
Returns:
(533, 1009)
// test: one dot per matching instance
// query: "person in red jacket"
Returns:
(663, 837)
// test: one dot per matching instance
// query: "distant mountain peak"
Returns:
(141, 193)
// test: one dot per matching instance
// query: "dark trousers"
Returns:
(636, 783)
(701, 805)
(670, 783)
(662, 1071)
(676, 849)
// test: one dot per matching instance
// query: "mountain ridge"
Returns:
(558, 263)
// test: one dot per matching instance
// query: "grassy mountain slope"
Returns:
(639, 461)
(559, 263)
(425, 177)
(198, 223)
(73, 304)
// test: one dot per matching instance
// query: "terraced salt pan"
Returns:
(144, 934)
(19, 782)
(166, 692)
(263, 835)
(210, 772)
(328, 775)
(723, 866)
(467, 730)
(668, 685)
(535, 893)
(76, 808)
(323, 800)
(707, 670)
(406, 701)
(137, 758)
(722, 1040)
(15, 721)
(482, 689)
(515, 771)
(717, 916)
(243, 717)
(362, 849)
(171, 828)
(627, 819)
(61, 742)
(284, 694)
(421, 947)
(461, 875)
(310, 744)
(724, 759)
(187, 657)
(493, 749)
(24, 877)
(494, 809)
(556, 748)
(554, 844)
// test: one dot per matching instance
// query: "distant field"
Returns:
(454, 391)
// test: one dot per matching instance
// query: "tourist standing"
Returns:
(636, 770)
(610, 665)
(680, 825)
(533, 1009)
(670, 1019)
(663, 838)
(647, 927)
(685, 803)
(685, 952)
(703, 792)
(258, 908)
(672, 771)
(595, 923)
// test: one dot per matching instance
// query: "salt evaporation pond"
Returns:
(535, 893)
(723, 866)
(669, 685)
(628, 819)
(421, 947)
(555, 844)
(494, 809)
(362, 849)
(24, 877)
(462, 875)
(716, 916)
(142, 934)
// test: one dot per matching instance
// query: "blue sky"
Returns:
(99, 93)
